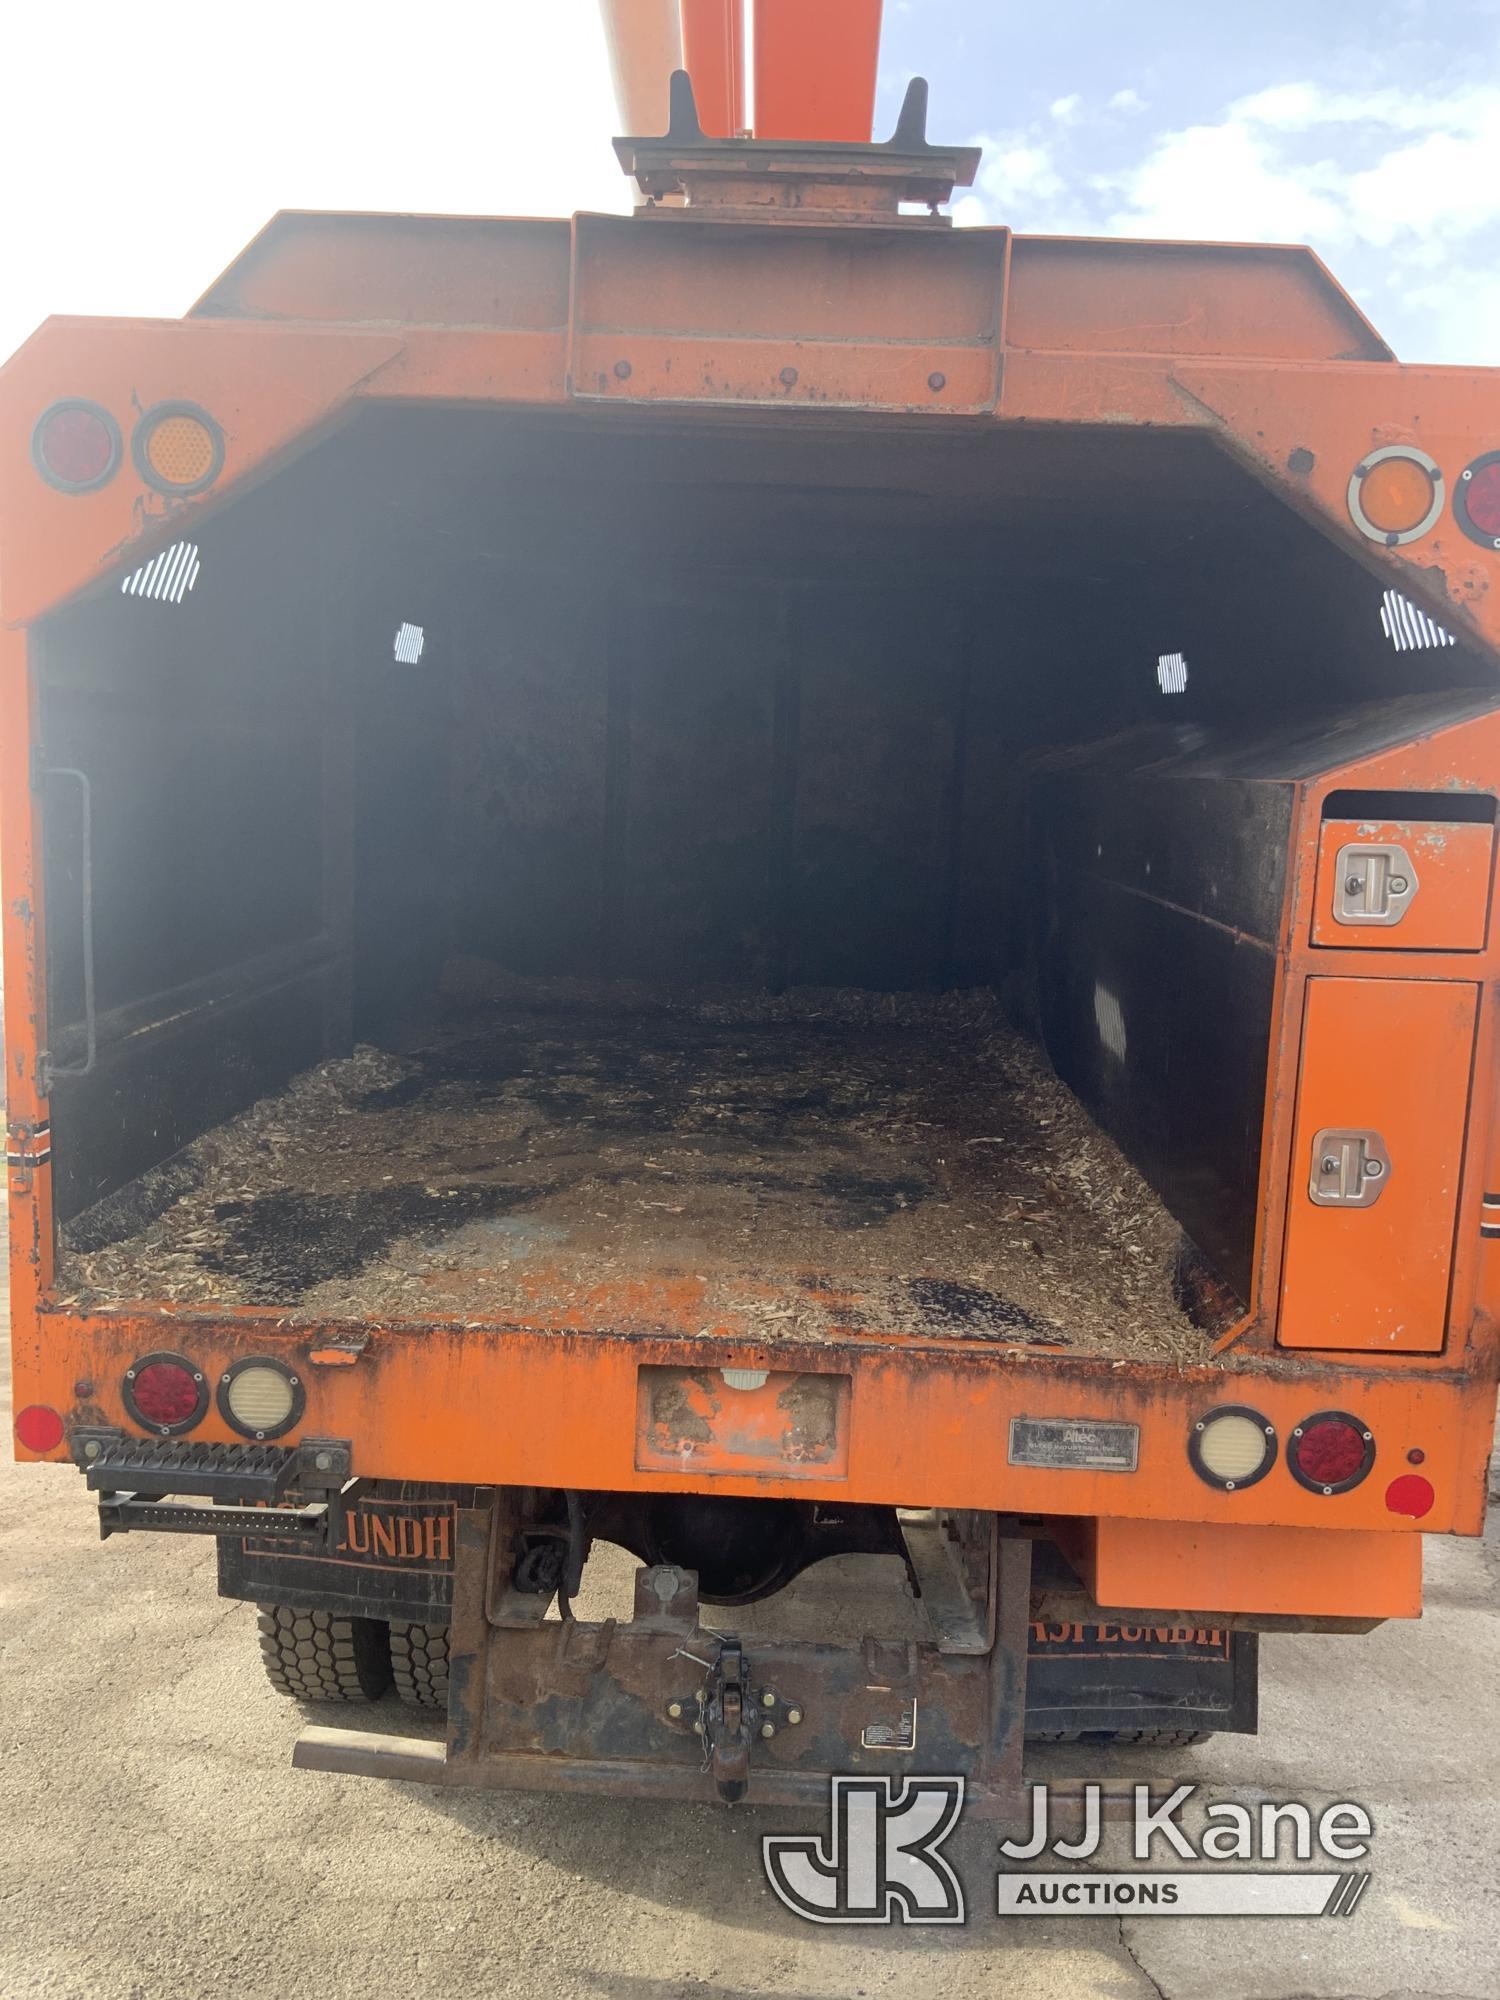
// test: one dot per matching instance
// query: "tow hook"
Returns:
(726, 1723)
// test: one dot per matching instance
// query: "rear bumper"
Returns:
(864, 1419)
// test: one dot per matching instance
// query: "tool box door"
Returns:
(1400, 885)
(1373, 1202)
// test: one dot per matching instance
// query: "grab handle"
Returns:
(90, 1030)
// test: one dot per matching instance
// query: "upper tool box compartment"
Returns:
(1399, 873)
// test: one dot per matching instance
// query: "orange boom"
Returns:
(762, 881)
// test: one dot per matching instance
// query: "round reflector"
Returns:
(39, 1428)
(260, 1398)
(178, 449)
(1232, 1447)
(75, 446)
(165, 1393)
(1476, 500)
(1411, 1494)
(1330, 1452)
(1395, 494)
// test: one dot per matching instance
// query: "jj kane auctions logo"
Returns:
(881, 1862)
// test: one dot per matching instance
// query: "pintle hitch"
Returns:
(726, 1722)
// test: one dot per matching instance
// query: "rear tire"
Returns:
(313, 1656)
(419, 1663)
(1126, 1739)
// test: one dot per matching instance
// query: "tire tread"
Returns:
(419, 1663)
(315, 1656)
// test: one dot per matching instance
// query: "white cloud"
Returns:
(1432, 174)
(1066, 109)
(1397, 188)
(1225, 181)
(1445, 185)
(1127, 100)
(1298, 107)
(1291, 106)
(1018, 177)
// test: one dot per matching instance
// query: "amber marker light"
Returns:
(1395, 494)
(178, 449)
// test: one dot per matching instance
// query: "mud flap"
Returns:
(1106, 1679)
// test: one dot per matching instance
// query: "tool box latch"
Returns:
(1349, 1169)
(1375, 882)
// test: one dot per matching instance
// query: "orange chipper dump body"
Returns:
(762, 880)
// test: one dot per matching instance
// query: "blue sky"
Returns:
(1371, 132)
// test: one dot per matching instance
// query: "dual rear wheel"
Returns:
(315, 1656)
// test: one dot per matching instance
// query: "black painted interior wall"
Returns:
(728, 704)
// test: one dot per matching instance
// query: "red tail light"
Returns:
(75, 446)
(1476, 500)
(1330, 1452)
(165, 1393)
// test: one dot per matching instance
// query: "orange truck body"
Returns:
(915, 333)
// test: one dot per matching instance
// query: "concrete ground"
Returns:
(160, 1847)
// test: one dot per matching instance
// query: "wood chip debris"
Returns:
(554, 1153)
